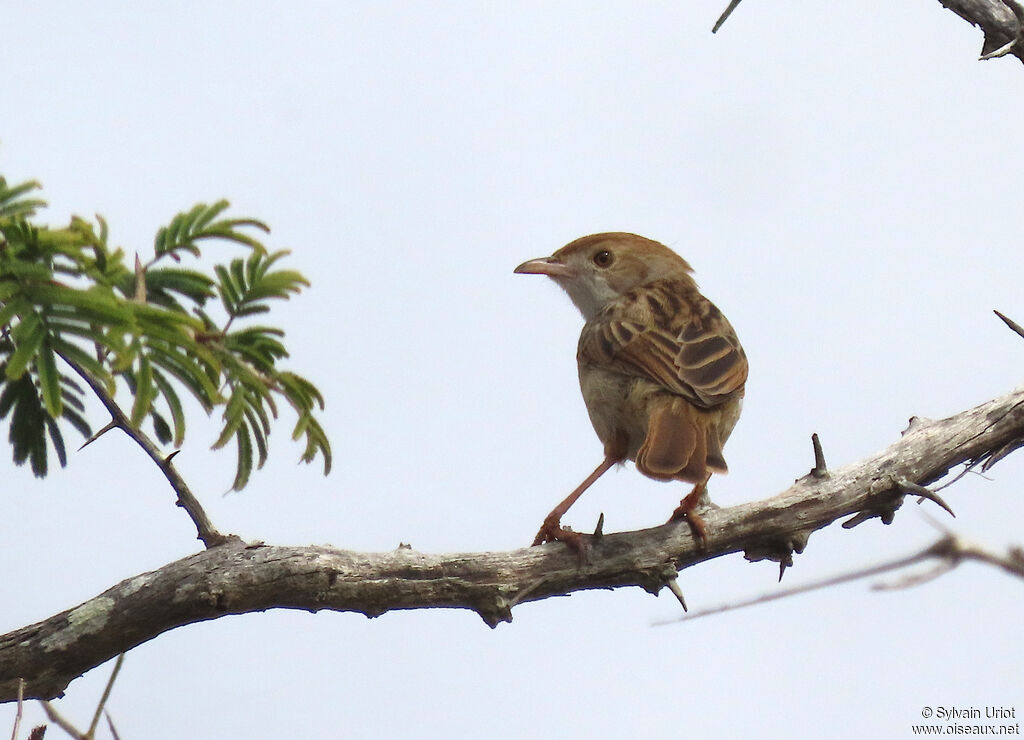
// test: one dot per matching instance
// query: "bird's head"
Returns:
(597, 269)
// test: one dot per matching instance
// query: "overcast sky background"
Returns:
(843, 177)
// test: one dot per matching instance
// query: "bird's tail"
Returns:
(682, 443)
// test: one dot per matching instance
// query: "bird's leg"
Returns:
(552, 530)
(685, 510)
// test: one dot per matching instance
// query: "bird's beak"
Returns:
(546, 266)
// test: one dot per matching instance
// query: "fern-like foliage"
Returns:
(71, 305)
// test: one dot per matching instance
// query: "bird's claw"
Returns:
(553, 531)
(685, 512)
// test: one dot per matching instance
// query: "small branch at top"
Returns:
(186, 499)
(1010, 322)
(725, 15)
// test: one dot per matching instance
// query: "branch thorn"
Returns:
(1018, 11)
(907, 486)
(112, 424)
(140, 281)
(820, 469)
(725, 15)
(673, 585)
(1010, 322)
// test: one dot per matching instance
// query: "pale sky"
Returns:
(844, 180)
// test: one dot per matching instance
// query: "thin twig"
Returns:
(950, 549)
(916, 579)
(1010, 322)
(106, 695)
(967, 469)
(110, 724)
(725, 14)
(21, 702)
(54, 716)
(186, 499)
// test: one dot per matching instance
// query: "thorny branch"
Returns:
(40, 660)
(119, 420)
(239, 578)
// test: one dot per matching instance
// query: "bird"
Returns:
(661, 369)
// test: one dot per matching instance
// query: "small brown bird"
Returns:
(660, 367)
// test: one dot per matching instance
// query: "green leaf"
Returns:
(57, 439)
(28, 338)
(173, 406)
(299, 391)
(233, 417)
(49, 381)
(317, 443)
(65, 293)
(27, 425)
(85, 361)
(168, 318)
(14, 307)
(244, 469)
(11, 202)
(160, 428)
(189, 374)
(163, 283)
(94, 304)
(259, 431)
(229, 293)
(9, 396)
(144, 391)
(189, 227)
(77, 421)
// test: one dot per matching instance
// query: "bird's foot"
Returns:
(553, 531)
(685, 511)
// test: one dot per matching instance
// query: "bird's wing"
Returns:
(681, 342)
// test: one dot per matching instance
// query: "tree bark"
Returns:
(236, 578)
(996, 19)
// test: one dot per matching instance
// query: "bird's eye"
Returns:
(603, 258)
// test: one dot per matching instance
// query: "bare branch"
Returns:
(950, 551)
(812, 586)
(238, 578)
(106, 695)
(21, 702)
(54, 716)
